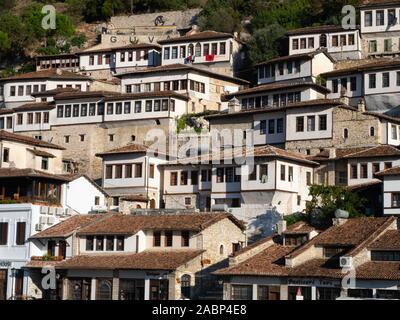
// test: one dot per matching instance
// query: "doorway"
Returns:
(158, 289)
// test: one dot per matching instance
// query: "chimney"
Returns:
(341, 217)
(234, 105)
(343, 96)
(361, 105)
(281, 227)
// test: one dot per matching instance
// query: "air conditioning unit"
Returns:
(38, 227)
(44, 210)
(50, 220)
(42, 220)
(52, 210)
(346, 262)
(68, 212)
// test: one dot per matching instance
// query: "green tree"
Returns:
(330, 198)
(222, 20)
(5, 43)
(266, 43)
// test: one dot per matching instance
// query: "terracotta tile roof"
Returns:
(389, 172)
(41, 153)
(365, 185)
(302, 56)
(316, 29)
(265, 151)
(358, 152)
(204, 35)
(377, 3)
(6, 111)
(143, 95)
(390, 240)
(375, 270)
(8, 136)
(28, 173)
(65, 228)
(101, 48)
(55, 74)
(270, 261)
(130, 224)
(352, 233)
(35, 106)
(37, 264)
(370, 65)
(383, 116)
(113, 96)
(82, 94)
(146, 260)
(254, 245)
(378, 151)
(300, 227)
(278, 86)
(130, 148)
(303, 104)
(183, 67)
(53, 92)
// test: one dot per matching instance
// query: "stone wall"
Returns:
(97, 139)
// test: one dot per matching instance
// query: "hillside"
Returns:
(262, 23)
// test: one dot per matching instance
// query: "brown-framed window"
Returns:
(184, 178)
(151, 171)
(120, 243)
(118, 171)
(364, 171)
(185, 236)
(375, 167)
(109, 171)
(110, 243)
(354, 171)
(20, 118)
(138, 170)
(156, 239)
(173, 179)
(168, 238)
(89, 243)
(3, 233)
(99, 243)
(396, 200)
(128, 171)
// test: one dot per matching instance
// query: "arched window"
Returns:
(190, 49)
(138, 206)
(185, 286)
(104, 290)
(372, 132)
(323, 41)
(345, 133)
(198, 50)
(221, 249)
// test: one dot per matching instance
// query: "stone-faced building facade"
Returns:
(137, 257)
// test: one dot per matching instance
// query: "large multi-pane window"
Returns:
(242, 292)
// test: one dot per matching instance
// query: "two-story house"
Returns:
(202, 86)
(340, 43)
(215, 51)
(304, 66)
(137, 257)
(17, 90)
(131, 174)
(377, 81)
